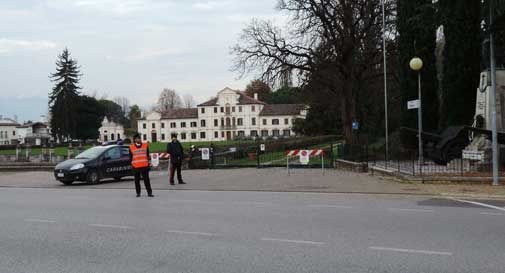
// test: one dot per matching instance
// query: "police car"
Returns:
(94, 164)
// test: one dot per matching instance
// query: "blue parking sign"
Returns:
(355, 125)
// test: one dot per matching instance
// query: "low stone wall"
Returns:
(26, 166)
(361, 167)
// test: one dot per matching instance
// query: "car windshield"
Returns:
(91, 153)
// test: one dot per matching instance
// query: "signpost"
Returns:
(262, 147)
(355, 125)
(205, 153)
(413, 104)
(155, 159)
(304, 157)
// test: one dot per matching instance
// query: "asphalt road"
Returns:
(109, 230)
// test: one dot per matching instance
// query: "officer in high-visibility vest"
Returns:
(140, 160)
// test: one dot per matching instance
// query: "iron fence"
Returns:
(264, 155)
(404, 160)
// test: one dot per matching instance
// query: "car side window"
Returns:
(125, 152)
(113, 153)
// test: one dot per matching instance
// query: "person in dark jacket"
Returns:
(176, 152)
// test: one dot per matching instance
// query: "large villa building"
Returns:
(230, 115)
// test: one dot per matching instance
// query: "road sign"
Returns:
(413, 104)
(304, 157)
(355, 125)
(155, 160)
(262, 147)
(205, 153)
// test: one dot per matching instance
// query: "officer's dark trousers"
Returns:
(175, 167)
(144, 172)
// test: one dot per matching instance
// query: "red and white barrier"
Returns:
(314, 152)
(304, 156)
(164, 155)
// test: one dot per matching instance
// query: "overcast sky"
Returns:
(131, 48)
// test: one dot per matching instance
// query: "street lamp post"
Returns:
(492, 71)
(416, 64)
(384, 55)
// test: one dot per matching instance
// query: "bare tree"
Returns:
(189, 101)
(168, 99)
(124, 103)
(337, 41)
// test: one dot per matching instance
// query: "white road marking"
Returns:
(492, 213)
(405, 250)
(222, 202)
(40, 221)
(410, 210)
(190, 232)
(292, 241)
(479, 204)
(253, 203)
(110, 226)
(329, 206)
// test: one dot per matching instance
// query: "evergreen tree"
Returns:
(461, 60)
(417, 37)
(64, 97)
(113, 112)
(90, 117)
(134, 115)
(287, 95)
(258, 87)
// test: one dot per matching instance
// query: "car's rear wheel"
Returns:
(92, 177)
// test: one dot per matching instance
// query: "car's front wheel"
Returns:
(92, 177)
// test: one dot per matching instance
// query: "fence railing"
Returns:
(404, 160)
(264, 155)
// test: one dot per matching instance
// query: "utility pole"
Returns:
(385, 80)
(492, 71)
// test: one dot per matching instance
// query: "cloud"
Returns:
(210, 5)
(11, 45)
(148, 53)
(117, 7)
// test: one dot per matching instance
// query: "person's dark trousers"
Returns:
(175, 166)
(144, 172)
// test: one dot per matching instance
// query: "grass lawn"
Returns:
(279, 158)
(59, 151)
(156, 147)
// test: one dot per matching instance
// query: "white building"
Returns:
(110, 131)
(8, 131)
(230, 115)
(33, 133)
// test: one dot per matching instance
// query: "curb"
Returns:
(439, 195)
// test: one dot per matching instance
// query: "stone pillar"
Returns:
(51, 152)
(81, 148)
(43, 153)
(69, 151)
(28, 152)
(18, 152)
